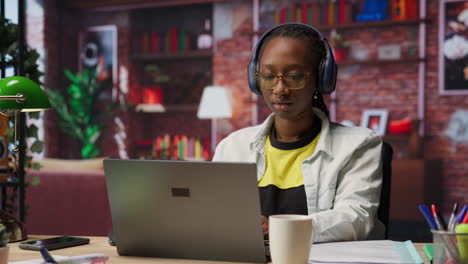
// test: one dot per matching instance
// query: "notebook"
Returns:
(369, 251)
(185, 209)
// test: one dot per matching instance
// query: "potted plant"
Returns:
(4, 249)
(340, 47)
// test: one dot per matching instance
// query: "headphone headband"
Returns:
(327, 70)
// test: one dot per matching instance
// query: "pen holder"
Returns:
(450, 247)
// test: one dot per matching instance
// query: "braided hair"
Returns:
(301, 32)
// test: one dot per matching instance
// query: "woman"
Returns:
(305, 163)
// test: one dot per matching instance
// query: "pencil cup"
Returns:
(450, 247)
(291, 238)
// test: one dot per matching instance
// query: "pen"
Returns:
(427, 214)
(451, 223)
(465, 220)
(46, 256)
(438, 219)
(462, 213)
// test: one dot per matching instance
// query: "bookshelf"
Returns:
(191, 54)
(160, 108)
(405, 31)
(165, 57)
(360, 25)
(381, 61)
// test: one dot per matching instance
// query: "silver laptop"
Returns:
(185, 209)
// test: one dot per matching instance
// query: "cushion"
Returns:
(70, 164)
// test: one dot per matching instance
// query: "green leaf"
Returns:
(34, 115)
(72, 77)
(32, 131)
(37, 166)
(37, 147)
(35, 180)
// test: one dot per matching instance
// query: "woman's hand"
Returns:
(265, 227)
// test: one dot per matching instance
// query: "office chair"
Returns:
(384, 207)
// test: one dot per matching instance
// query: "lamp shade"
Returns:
(214, 103)
(32, 98)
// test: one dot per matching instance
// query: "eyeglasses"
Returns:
(292, 81)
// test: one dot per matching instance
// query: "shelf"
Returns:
(192, 54)
(396, 137)
(379, 61)
(360, 25)
(159, 108)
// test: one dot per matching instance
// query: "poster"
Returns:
(98, 51)
(453, 47)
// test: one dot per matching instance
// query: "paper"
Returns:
(37, 261)
(377, 251)
(81, 259)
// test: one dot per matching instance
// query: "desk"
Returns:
(100, 245)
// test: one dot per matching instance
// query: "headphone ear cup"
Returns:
(327, 72)
(253, 85)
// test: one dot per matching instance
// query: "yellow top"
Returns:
(283, 167)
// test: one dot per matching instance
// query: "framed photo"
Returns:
(375, 119)
(98, 51)
(453, 47)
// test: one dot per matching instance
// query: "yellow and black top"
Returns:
(282, 185)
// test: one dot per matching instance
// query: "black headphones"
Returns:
(326, 77)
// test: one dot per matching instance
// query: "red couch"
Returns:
(68, 203)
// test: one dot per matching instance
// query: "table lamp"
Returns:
(19, 94)
(214, 104)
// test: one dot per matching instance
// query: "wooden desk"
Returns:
(101, 246)
(97, 245)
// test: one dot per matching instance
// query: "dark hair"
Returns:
(316, 44)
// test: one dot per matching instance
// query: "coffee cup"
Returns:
(291, 238)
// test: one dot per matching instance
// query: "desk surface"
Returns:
(101, 246)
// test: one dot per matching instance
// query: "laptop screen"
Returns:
(185, 209)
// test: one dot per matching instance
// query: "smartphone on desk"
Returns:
(54, 243)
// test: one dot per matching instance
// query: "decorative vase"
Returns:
(4, 254)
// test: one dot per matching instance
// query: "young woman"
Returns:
(305, 163)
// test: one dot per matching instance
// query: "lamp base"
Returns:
(14, 227)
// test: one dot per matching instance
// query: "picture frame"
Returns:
(375, 119)
(98, 51)
(453, 37)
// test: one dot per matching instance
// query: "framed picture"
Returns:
(98, 51)
(453, 47)
(375, 119)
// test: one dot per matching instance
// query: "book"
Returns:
(429, 251)
(369, 251)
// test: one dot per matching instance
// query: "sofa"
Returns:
(71, 199)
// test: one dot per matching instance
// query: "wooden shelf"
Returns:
(192, 54)
(380, 61)
(360, 25)
(159, 108)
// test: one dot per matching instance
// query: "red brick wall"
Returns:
(390, 86)
(438, 112)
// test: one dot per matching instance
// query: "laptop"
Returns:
(185, 209)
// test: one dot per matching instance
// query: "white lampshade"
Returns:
(214, 103)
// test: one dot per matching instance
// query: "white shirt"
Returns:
(342, 178)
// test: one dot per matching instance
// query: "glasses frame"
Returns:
(278, 77)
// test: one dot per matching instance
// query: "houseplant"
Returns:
(76, 110)
(9, 52)
(340, 47)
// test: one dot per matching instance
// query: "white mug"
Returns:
(291, 237)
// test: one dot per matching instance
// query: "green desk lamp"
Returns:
(19, 94)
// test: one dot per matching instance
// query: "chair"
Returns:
(384, 207)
